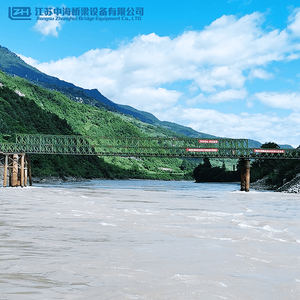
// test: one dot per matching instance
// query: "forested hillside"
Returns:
(38, 110)
(12, 64)
(274, 173)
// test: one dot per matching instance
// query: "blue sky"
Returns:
(228, 68)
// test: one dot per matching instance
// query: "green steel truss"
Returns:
(54, 144)
(139, 147)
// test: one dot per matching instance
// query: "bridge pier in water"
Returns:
(245, 174)
(17, 170)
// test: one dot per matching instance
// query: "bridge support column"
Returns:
(16, 170)
(245, 175)
(14, 178)
(247, 179)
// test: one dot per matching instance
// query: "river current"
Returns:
(140, 239)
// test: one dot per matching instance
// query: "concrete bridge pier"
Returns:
(245, 174)
(16, 170)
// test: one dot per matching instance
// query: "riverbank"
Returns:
(261, 185)
(57, 179)
(292, 186)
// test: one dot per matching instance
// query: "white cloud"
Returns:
(293, 56)
(151, 99)
(294, 25)
(228, 95)
(216, 61)
(31, 61)
(249, 104)
(222, 96)
(261, 127)
(280, 100)
(213, 59)
(48, 25)
(260, 73)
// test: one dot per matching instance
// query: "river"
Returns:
(140, 239)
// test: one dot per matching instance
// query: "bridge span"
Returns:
(17, 163)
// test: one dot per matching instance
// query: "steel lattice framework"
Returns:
(141, 147)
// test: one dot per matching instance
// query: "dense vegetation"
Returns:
(14, 65)
(205, 172)
(50, 112)
(22, 115)
(277, 172)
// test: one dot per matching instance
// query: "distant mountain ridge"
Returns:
(14, 65)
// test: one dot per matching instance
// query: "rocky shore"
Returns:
(261, 185)
(292, 186)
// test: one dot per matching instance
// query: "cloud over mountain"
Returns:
(165, 75)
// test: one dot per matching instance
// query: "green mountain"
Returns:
(41, 104)
(29, 108)
(12, 64)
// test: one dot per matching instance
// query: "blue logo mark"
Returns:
(19, 13)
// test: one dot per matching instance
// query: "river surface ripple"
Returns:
(148, 240)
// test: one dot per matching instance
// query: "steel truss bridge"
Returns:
(142, 147)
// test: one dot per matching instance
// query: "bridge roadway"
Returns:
(142, 147)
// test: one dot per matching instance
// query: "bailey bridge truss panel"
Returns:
(54, 144)
(139, 147)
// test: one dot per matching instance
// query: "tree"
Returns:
(206, 163)
(269, 145)
(223, 166)
(276, 171)
(206, 173)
